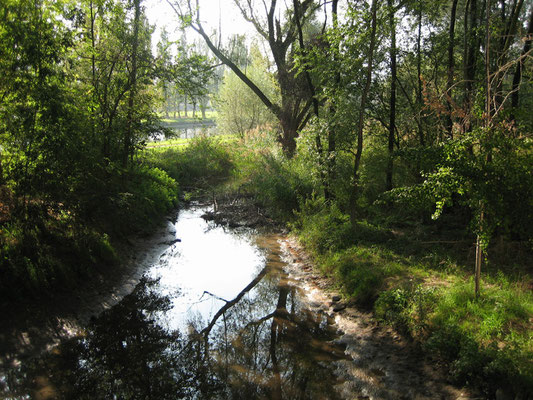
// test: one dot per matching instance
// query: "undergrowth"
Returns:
(487, 341)
(49, 247)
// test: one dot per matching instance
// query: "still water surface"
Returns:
(217, 317)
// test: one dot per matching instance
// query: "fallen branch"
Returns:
(231, 303)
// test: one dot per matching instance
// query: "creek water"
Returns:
(191, 130)
(216, 317)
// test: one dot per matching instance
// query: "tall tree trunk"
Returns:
(93, 72)
(480, 240)
(392, 112)
(316, 106)
(128, 139)
(419, 75)
(501, 53)
(470, 58)
(360, 126)
(517, 77)
(450, 69)
(332, 142)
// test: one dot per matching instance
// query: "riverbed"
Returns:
(217, 313)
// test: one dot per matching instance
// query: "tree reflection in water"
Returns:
(261, 345)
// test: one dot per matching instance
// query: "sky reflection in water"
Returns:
(163, 342)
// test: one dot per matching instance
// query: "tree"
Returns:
(35, 116)
(163, 62)
(393, 78)
(239, 109)
(293, 109)
(362, 108)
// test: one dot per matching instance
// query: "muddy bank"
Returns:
(383, 364)
(31, 327)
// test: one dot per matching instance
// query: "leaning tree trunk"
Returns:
(294, 111)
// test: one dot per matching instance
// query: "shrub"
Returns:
(202, 162)
(276, 182)
(323, 228)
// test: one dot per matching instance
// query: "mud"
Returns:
(382, 364)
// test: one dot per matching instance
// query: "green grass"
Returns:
(195, 163)
(168, 143)
(427, 292)
(222, 139)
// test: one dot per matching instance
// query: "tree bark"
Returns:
(421, 137)
(332, 142)
(128, 138)
(517, 77)
(472, 44)
(392, 112)
(450, 69)
(360, 126)
(316, 105)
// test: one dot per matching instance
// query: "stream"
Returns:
(221, 314)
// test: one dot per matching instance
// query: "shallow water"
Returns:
(217, 317)
(191, 130)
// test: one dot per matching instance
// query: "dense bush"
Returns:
(199, 164)
(55, 246)
(51, 255)
(276, 182)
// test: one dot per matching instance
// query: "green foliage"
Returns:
(239, 108)
(323, 229)
(407, 309)
(360, 278)
(276, 182)
(124, 200)
(53, 248)
(488, 169)
(49, 256)
(486, 341)
(201, 162)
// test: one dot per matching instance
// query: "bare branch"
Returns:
(197, 26)
(231, 303)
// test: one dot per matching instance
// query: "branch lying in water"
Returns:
(231, 303)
